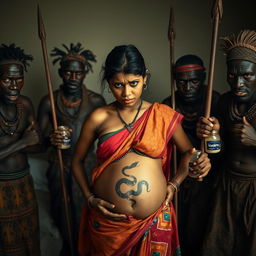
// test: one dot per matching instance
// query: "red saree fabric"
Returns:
(100, 236)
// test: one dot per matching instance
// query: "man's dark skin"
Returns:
(73, 104)
(189, 92)
(16, 139)
(19, 226)
(72, 74)
(194, 196)
(239, 138)
(242, 79)
(190, 96)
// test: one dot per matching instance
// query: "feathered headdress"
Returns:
(242, 46)
(74, 52)
(13, 54)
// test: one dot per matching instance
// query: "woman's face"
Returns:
(127, 88)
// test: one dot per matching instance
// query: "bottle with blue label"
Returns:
(65, 132)
(213, 143)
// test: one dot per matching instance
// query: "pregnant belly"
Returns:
(135, 184)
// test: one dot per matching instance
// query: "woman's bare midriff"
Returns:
(135, 184)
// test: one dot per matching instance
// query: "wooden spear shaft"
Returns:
(171, 37)
(217, 12)
(42, 36)
(216, 15)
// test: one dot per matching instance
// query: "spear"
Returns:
(42, 36)
(217, 12)
(171, 38)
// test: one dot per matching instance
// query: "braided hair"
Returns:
(13, 54)
(74, 52)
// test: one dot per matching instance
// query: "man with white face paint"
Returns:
(232, 227)
(19, 228)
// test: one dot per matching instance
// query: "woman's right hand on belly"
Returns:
(105, 208)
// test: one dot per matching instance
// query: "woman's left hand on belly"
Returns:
(105, 208)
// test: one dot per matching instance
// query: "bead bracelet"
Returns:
(174, 184)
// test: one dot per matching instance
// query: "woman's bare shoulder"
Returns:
(100, 115)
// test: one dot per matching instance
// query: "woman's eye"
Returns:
(134, 83)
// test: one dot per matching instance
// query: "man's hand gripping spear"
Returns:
(42, 36)
(217, 12)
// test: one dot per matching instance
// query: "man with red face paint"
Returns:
(232, 226)
(194, 197)
(74, 102)
(19, 227)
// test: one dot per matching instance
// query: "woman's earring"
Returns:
(145, 86)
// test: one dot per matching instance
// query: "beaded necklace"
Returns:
(70, 104)
(236, 116)
(129, 126)
(9, 127)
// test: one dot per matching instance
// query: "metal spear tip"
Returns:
(171, 30)
(41, 29)
(217, 9)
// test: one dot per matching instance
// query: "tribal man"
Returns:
(19, 226)
(194, 196)
(73, 104)
(232, 225)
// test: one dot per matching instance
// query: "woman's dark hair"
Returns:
(126, 59)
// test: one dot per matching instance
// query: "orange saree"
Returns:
(141, 237)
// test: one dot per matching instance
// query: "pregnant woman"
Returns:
(129, 209)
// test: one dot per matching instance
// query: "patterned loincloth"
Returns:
(19, 226)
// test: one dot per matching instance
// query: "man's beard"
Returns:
(77, 86)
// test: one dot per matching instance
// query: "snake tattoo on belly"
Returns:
(132, 182)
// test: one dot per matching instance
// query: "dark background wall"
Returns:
(100, 25)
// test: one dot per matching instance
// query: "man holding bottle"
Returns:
(232, 226)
